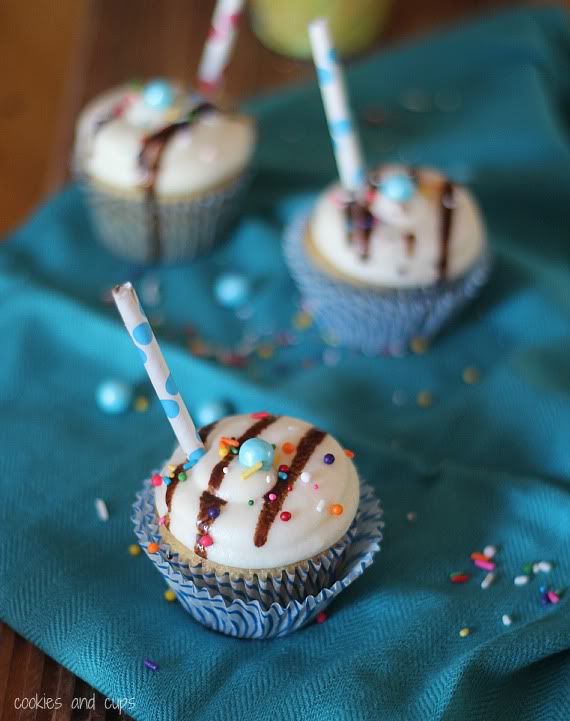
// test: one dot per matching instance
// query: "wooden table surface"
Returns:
(62, 53)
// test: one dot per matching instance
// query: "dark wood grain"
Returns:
(89, 45)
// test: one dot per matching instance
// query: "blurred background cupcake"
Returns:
(388, 256)
(164, 168)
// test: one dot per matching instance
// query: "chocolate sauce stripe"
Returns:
(305, 449)
(203, 433)
(208, 499)
(446, 218)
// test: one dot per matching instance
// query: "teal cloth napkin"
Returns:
(484, 463)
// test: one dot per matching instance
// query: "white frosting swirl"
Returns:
(214, 148)
(391, 262)
(308, 532)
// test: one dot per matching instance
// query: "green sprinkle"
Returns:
(527, 569)
(250, 502)
(234, 450)
(182, 476)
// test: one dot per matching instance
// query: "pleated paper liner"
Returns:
(375, 320)
(249, 608)
(188, 225)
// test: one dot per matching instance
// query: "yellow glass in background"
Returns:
(281, 25)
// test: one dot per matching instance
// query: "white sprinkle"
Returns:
(411, 516)
(102, 510)
(521, 580)
(399, 397)
(542, 567)
(506, 619)
(490, 551)
(268, 478)
(320, 506)
(305, 476)
(225, 469)
(488, 580)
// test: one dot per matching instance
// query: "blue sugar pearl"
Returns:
(232, 290)
(328, 458)
(158, 94)
(255, 450)
(213, 513)
(282, 475)
(113, 396)
(166, 480)
(398, 187)
(212, 411)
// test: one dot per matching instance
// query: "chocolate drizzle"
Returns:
(359, 222)
(307, 445)
(204, 432)
(447, 204)
(208, 500)
(410, 239)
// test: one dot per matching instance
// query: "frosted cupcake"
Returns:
(397, 264)
(256, 521)
(271, 495)
(163, 169)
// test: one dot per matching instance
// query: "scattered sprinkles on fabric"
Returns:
(150, 664)
(134, 550)
(141, 404)
(169, 595)
(470, 376)
(102, 510)
(464, 632)
(424, 399)
(459, 577)
(419, 345)
(506, 619)
(321, 617)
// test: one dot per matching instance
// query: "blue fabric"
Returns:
(487, 463)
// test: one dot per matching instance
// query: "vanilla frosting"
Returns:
(242, 536)
(405, 242)
(111, 129)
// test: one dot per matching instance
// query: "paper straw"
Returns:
(142, 336)
(219, 44)
(345, 140)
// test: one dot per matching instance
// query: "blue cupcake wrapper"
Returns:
(239, 607)
(375, 321)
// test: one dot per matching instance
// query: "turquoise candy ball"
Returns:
(255, 450)
(211, 411)
(113, 396)
(158, 94)
(398, 187)
(232, 290)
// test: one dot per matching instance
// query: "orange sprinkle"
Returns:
(288, 447)
(348, 454)
(336, 509)
(229, 442)
(479, 557)
(153, 547)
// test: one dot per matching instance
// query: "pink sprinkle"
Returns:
(321, 617)
(272, 496)
(553, 597)
(206, 540)
(156, 480)
(485, 565)
(316, 486)
(162, 520)
(260, 414)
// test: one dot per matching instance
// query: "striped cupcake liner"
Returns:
(248, 608)
(374, 321)
(188, 227)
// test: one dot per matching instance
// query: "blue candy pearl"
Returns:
(232, 290)
(255, 450)
(212, 411)
(113, 396)
(398, 187)
(158, 94)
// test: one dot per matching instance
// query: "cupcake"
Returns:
(256, 521)
(394, 264)
(265, 524)
(163, 169)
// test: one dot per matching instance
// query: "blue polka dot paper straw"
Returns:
(144, 339)
(346, 144)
